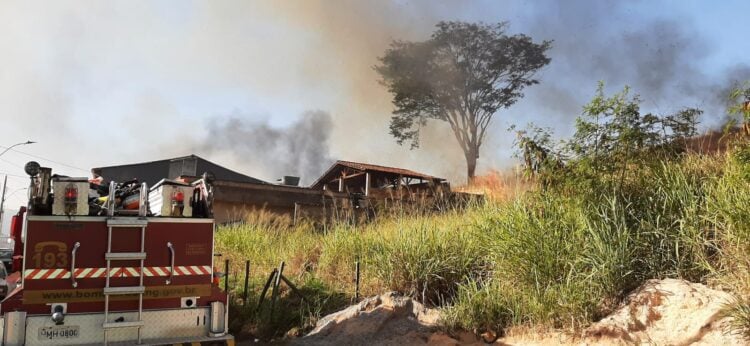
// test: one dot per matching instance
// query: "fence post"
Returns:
(275, 291)
(247, 274)
(356, 282)
(270, 280)
(226, 275)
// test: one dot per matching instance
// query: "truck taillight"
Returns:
(15, 231)
(178, 203)
(178, 198)
(71, 194)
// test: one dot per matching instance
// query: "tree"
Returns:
(613, 134)
(612, 137)
(463, 75)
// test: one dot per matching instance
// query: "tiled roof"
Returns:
(366, 167)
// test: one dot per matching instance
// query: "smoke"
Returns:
(734, 77)
(298, 149)
(664, 58)
(660, 53)
(143, 74)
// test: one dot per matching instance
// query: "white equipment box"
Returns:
(71, 196)
(171, 198)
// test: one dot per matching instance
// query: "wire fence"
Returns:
(245, 281)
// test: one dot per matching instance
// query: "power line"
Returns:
(46, 159)
(10, 162)
(20, 199)
(16, 190)
(14, 175)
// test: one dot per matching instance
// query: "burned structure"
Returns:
(375, 185)
(374, 180)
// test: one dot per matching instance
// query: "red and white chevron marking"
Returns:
(87, 273)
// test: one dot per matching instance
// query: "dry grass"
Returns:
(499, 186)
(522, 259)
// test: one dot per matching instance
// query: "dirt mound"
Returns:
(660, 312)
(668, 312)
(388, 319)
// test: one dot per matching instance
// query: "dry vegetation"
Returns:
(627, 199)
(537, 259)
(499, 186)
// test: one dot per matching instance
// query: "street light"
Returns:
(15, 145)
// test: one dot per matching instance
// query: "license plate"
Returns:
(59, 332)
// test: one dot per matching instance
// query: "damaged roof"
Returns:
(334, 171)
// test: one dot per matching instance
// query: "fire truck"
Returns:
(119, 265)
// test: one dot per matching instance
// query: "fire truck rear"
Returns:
(109, 267)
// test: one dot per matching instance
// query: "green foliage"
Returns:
(549, 258)
(563, 260)
(463, 75)
(486, 306)
(612, 138)
(623, 204)
(541, 157)
(739, 312)
(290, 312)
(425, 257)
(739, 104)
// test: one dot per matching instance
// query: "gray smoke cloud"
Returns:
(143, 76)
(298, 149)
(663, 59)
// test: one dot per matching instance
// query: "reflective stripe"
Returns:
(114, 272)
(98, 273)
(147, 272)
(89, 273)
(83, 273)
(40, 274)
(56, 273)
(132, 271)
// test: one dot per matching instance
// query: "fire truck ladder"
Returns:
(125, 223)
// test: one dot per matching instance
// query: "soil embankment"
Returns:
(660, 312)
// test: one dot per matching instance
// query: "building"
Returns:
(346, 190)
(376, 181)
(154, 171)
(233, 200)
(226, 180)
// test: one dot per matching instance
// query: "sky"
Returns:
(271, 88)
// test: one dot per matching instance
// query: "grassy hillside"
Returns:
(622, 201)
(547, 258)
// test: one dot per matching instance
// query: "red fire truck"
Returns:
(120, 276)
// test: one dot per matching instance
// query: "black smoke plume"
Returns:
(258, 148)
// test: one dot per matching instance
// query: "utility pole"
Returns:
(2, 203)
(5, 182)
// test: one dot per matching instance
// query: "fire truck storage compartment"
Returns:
(171, 198)
(71, 196)
(178, 264)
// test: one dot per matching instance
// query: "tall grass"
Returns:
(565, 260)
(425, 257)
(544, 258)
